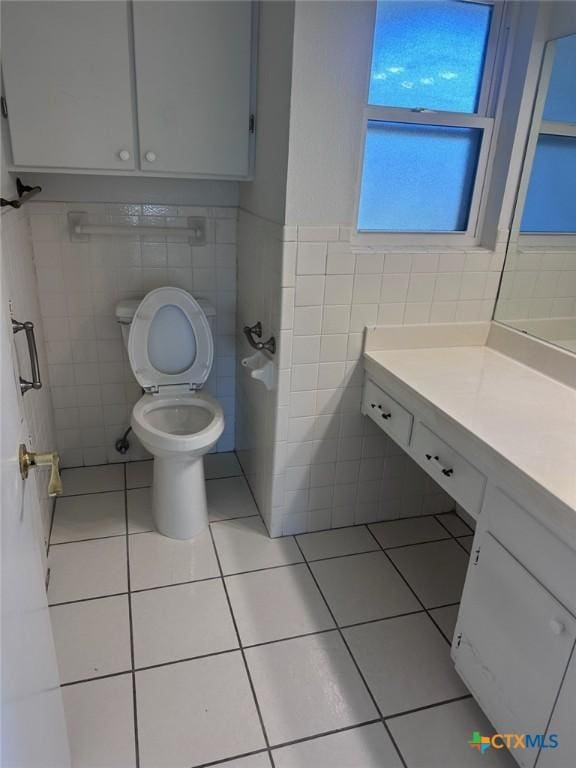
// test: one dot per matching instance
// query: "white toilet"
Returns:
(171, 349)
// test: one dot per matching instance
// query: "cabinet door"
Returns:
(193, 81)
(67, 77)
(562, 725)
(512, 643)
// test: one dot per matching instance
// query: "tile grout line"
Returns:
(457, 538)
(241, 648)
(405, 580)
(133, 673)
(355, 663)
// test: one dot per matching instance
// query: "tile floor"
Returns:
(324, 650)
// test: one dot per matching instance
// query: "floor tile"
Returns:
(406, 662)
(412, 530)
(196, 712)
(88, 517)
(228, 498)
(446, 619)
(139, 474)
(109, 477)
(435, 571)
(260, 760)
(275, 604)
(92, 638)
(363, 587)
(87, 569)
(157, 561)
(244, 545)
(366, 747)
(438, 738)
(221, 465)
(466, 542)
(139, 501)
(181, 622)
(100, 720)
(335, 543)
(455, 524)
(307, 686)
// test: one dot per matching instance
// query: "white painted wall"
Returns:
(332, 50)
(266, 195)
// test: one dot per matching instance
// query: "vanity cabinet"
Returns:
(134, 88)
(512, 644)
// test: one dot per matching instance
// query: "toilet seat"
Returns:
(170, 341)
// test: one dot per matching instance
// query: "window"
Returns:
(429, 117)
(550, 205)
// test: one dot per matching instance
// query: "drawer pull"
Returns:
(386, 415)
(557, 627)
(447, 471)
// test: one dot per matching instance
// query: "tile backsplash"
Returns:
(80, 282)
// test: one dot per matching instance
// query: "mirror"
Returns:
(538, 288)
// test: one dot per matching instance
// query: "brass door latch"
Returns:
(27, 459)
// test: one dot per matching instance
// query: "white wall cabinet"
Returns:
(137, 88)
(66, 69)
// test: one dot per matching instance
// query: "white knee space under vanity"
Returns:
(491, 416)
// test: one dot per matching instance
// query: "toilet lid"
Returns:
(170, 341)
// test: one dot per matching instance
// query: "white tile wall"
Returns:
(21, 288)
(91, 381)
(539, 283)
(331, 466)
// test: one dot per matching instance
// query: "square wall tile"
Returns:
(92, 638)
(89, 516)
(196, 712)
(363, 588)
(306, 686)
(157, 561)
(87, 569)
(100, 721)
(406, 663)
(244, 545)
(276, 604)
(181, 622)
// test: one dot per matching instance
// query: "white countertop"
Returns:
(521, 414)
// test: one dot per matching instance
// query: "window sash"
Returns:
(480, 119)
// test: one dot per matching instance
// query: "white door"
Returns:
(33, 731)
(193, 62)
(67, 76)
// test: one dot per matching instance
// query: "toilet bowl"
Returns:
(170, 348)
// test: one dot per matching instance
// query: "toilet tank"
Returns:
(125, 312)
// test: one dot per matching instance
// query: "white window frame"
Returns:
(538, 127)
(483, 119)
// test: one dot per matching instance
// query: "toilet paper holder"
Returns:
(256, 330)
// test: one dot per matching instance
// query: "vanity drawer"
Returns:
(458, 478)
(393, 418)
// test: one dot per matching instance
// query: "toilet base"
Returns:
(179, 505)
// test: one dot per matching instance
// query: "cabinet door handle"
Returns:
(556, 626)
(150, 157)
(447, 471)
(124, 154)
(28, 327)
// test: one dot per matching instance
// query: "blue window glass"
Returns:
(551, 200)
(429, 54)
(561, 97)
(417, 178)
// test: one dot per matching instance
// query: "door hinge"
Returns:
(476, 555)
(3, 106)
(458, 640)
(47, 579)
(252, 124)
